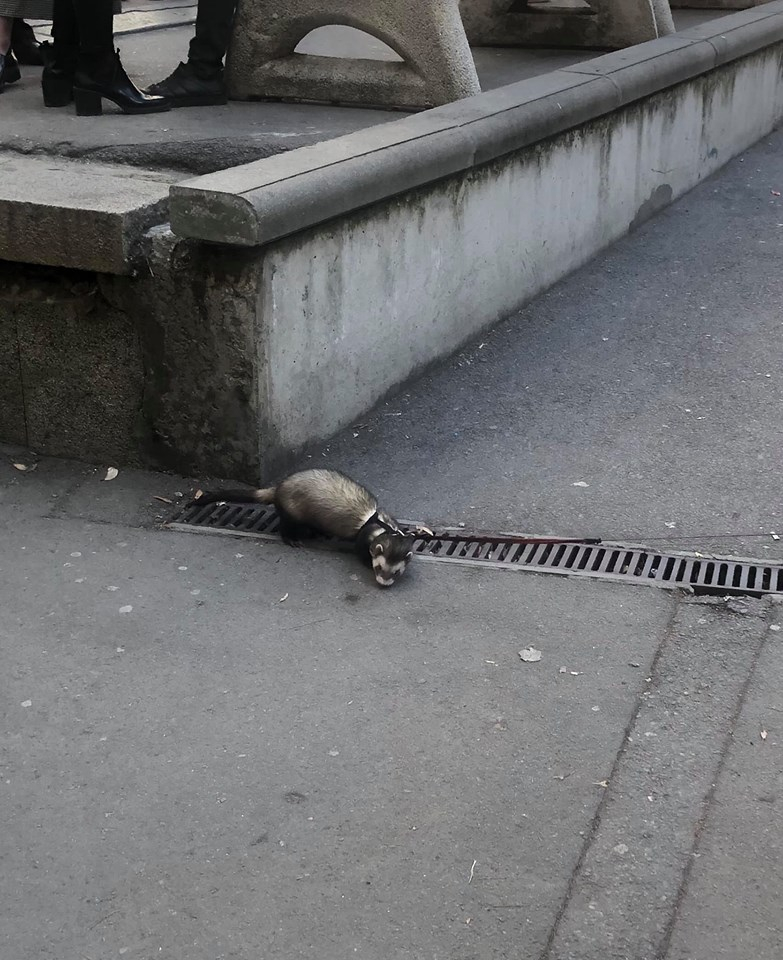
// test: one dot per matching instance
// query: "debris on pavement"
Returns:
(530, 655)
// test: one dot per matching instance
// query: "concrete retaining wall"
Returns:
(353, 308)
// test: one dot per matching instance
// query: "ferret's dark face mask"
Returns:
(391, 554)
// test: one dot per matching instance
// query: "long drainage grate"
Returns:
(606, 561)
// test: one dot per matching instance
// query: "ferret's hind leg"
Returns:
(292, 532)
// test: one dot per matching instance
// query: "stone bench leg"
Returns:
(663, 17)
(609, 24)
(427, 34)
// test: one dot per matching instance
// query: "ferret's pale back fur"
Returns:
(311, 495)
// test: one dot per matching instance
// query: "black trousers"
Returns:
(213, 32)
(86, 24)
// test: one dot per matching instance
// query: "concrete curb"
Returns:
(136, 21)
(262, 201)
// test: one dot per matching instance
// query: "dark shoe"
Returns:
(24, 44)
(108, 80)
(57, 76)
(9, 69)
(184, 88)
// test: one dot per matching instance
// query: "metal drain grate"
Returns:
(606, 561)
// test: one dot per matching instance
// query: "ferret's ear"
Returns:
(377, 549)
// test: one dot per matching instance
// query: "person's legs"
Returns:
(214, 19)
(60, 55)
(9, 68)
(65, 28)
(6, 25)
(83, 64)
(199, 82)
(95, 30)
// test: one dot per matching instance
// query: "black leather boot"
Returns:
(185, 88)
(105, 79)
(25, 45)
(199, 82)
(58, 72)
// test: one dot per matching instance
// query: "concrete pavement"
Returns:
(214, 747)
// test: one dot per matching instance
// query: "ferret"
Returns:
(330, 503)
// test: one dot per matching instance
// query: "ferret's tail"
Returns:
(265, 495)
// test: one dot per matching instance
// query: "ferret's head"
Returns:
(390, 553)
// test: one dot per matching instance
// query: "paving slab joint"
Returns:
(634, 868)
(742, 608)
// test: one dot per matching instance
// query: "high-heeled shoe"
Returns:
(57, 75)
(107, 80)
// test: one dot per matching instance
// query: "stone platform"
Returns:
(195, 141)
